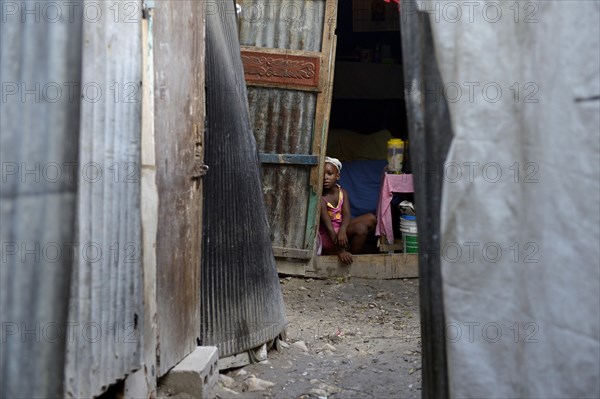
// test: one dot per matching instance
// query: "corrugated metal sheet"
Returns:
(285, 196)
(38, 142)
(179, 122)
(282, 120)
(283, 123)
(106, 295)
(242, 304)
(293, 25)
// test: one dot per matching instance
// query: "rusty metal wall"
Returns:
(286, 197)
(293, 25)
(106, 308)
(38, 151)
(242, 303)
(282, 122)
(179, 127)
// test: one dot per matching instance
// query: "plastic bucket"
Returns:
(408, 223)
(410, 242)
(410, 238)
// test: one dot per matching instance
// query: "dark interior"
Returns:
(363, 113)
(368, 90)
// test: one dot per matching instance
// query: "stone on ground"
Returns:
(328, 389)
(223, 392)
(226, 381)
(299, 345)
(320, 393)
(253, 384)
(329, 347)
(239, 372)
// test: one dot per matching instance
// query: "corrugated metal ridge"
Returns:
(282, 24)
(241, 300)
(106, 292)
(283, 122)
(37, 204)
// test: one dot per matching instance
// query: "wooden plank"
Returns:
(293, 267)
(142, 383)
(322, 118)
(398, 245)
(375, 266)
(310, 232)
(290, 159)
(281, 69)
(285, 86)
(283, 252)
(266, 50)
(179, 120)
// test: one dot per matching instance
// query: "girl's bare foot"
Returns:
(345, 257)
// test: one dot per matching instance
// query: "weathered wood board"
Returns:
(376, 266)
(179, 125)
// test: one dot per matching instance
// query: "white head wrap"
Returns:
(335, 162)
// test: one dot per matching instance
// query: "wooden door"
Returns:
(179, 126)
(288, 52)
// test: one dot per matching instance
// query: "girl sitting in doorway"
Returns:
(338, 232)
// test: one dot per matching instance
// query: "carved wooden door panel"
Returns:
(288, 51)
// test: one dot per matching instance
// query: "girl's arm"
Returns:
(342, 238)
(326, 221)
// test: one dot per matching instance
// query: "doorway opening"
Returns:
(367, 110)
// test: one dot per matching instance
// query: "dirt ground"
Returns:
(362, 340)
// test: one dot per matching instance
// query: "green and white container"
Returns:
(410, 238)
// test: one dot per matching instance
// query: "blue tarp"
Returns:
(362, 181)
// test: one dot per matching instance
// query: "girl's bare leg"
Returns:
(358, 231)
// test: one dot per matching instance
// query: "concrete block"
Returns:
(195, 375)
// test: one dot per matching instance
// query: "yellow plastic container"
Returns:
(395, 155)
